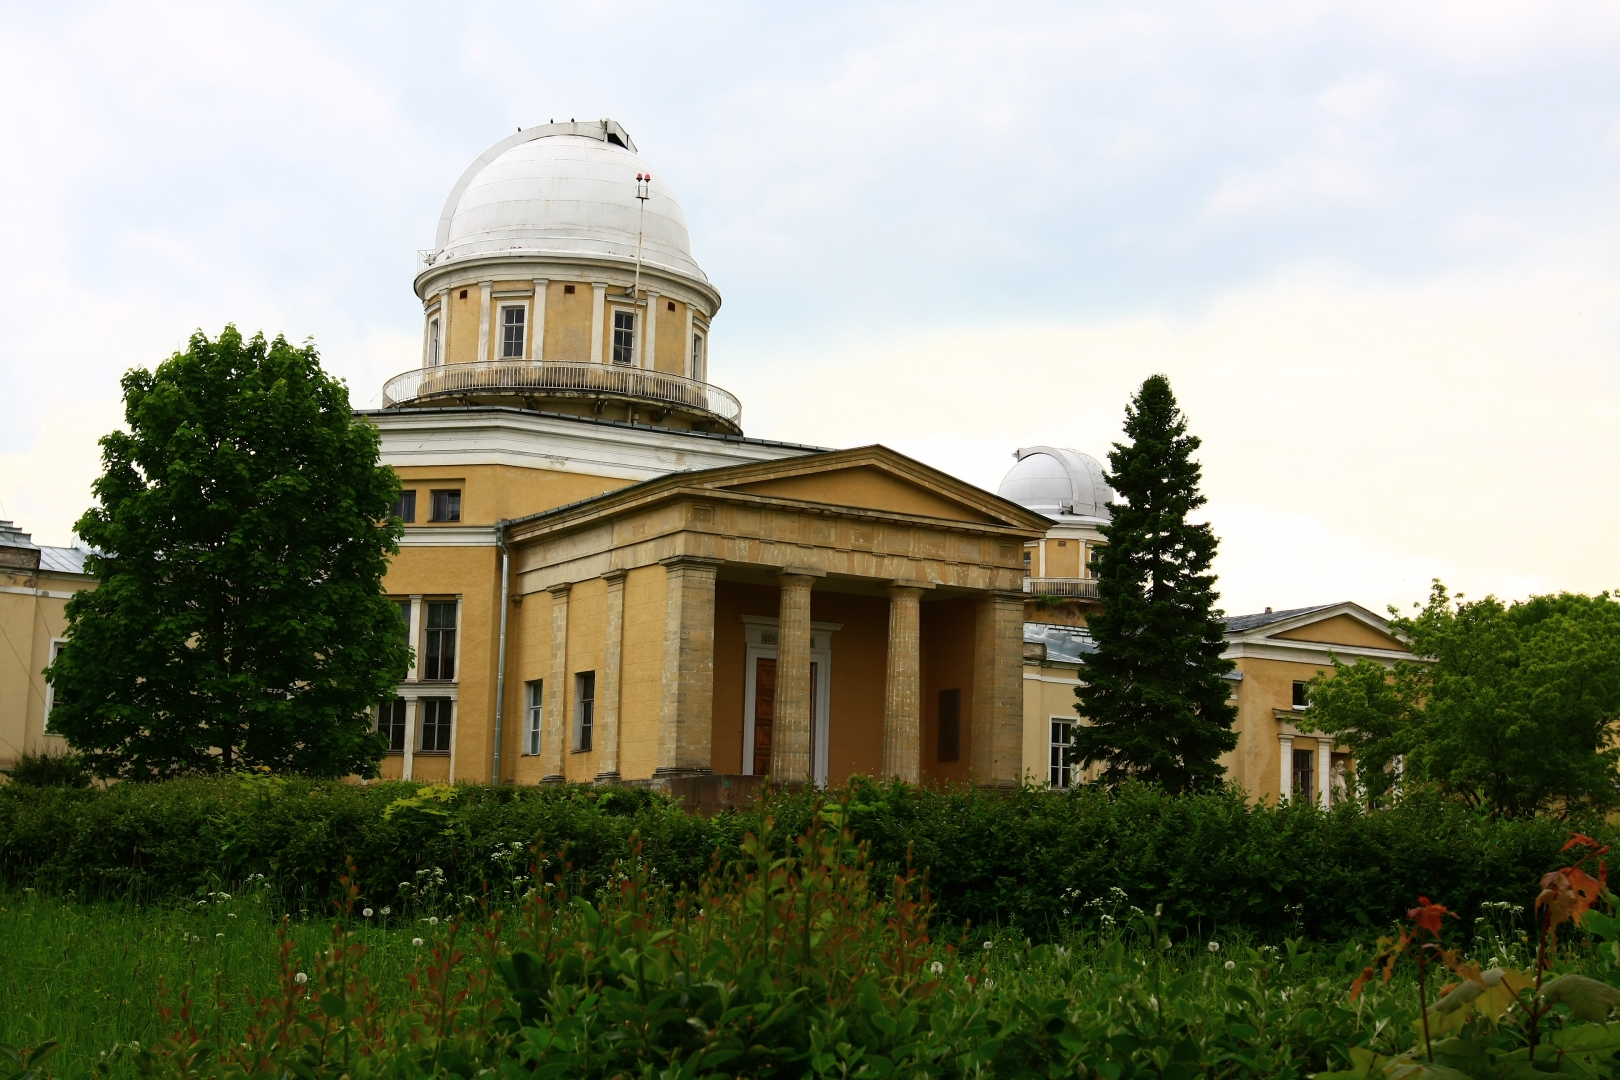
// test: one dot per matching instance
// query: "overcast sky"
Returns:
(1374, 245)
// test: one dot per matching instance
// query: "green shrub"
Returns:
(50, 770)
(1039, 862)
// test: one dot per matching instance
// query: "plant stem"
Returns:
(1423, 1004)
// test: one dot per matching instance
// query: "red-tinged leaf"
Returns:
(1429, 916)
(1361, 980)
(1579, 839)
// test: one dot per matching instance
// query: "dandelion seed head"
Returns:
(988, 946)
(1214, 946)
(366, 912)
(1230, 965)
(417, 942)
(300, 978)
(937, 968)
(386, 910)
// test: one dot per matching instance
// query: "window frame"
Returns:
(405, 506)
(392, 705)
(435, 354)
(522, 308)
(534, 717)
(443, 726)
(614, 311)
(1300, 701)
(1308, 789)
(584, 710)
(700, 360)
(436, 657)
(52, 651)
(452, 499)
(1061, 773)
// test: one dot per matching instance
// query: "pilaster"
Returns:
(555, 736)
(998, 705)
(598, 313)
(485, 291)
(537, 333)
(686, 715)
(790, 728)
(1285, 787)
(609, 693)
(649, 337)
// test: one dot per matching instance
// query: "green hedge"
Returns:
(1016, 859)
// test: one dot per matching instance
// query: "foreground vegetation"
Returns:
(792, 965)
(1014, 860)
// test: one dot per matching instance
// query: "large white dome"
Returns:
(1058, 483)
(565, 189)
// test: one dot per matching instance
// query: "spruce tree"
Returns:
(1154, 692)
(241, 536)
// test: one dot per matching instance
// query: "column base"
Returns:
(607, 777)
(554, 779)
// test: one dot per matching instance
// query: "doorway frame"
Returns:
(761, 635)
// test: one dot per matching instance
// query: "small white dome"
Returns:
(1058, 483)
(565, 189)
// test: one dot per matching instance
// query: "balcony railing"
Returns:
(1077, 587)
(561, 377)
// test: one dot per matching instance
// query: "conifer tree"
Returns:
(1154, 692)
(240, 538)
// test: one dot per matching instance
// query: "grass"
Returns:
(92, 976)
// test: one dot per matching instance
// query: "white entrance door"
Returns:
(759, 696)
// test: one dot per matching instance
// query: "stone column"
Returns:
(686, 715)
(1285, 789)
(998, 690)
(608, 694)
(444, 326)
(790, 729)
(649, 342)
(415, 631)
(485, 289)
(902, 690)
(537, 335)
(555, 736)
(1324, 771)
(598, 313)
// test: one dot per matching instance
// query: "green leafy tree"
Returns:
(1511, 708)
(1155, 690)
(240, 539)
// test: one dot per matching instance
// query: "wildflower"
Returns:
(1214, 946)
(989, 984)
(366, 912)
(387, 910)
(195, 939)
(224, 895)
(219, 935)
(1158, 909)
(134, 1044)
(937, 968)
(417, 942)
(300, 978)
(433, 920)
(987, 945)
(1230, 965)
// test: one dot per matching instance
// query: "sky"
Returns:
(1375, 246)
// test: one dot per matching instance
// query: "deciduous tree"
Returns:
(1155, 691)
(240, 538)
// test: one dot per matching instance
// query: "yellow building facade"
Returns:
(36, 583)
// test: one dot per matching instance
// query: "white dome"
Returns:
(1058, 483)
(565, 189)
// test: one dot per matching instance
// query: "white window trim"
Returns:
(578, 718)
(50, 691)
(455, 709)
(698, 361)
(1074, 770)
(534, 718)
(613, 309)
(500, 324)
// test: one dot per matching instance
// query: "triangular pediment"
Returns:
(866, 486)
(1352, 628)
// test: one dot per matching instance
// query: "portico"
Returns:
(838, 613)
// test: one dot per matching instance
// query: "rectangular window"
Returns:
(404, 607)
(534, 716)
(405, 507)
(1299, 695)
(1304, 775)
(512, 332)
(433, 343)
(1062, 775)
(584, 709)
(57, 645)
(624, 337)
(447, 505)
(391, 724)
(950, 725)
(441, 640)
(433, 717)
(697, 357)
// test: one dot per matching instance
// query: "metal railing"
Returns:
(1080, 587)
(568, 377)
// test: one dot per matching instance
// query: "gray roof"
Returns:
(1069, 644)
(1239, 623)
(68, 560)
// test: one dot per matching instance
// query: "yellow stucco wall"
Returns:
(1063, 558)
(1341, 630)
(30, 617)
(867, 488)
(671, 352)
(587, 640)
(568, 321)
(642, 696)
(1267, 686)
(461, 343)
(490, 493)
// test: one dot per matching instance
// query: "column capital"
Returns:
(561, 589)
(800, 572)
(615, 577)
(690, 562)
